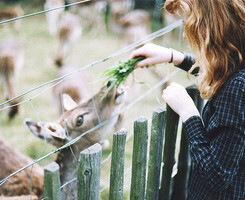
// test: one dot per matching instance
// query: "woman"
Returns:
(215, 31)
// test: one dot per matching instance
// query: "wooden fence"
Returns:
(158, 183)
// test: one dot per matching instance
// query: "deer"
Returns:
(69, 31)
(19, 186)
(11, 62)
(136, 25)
(52, 17)
(76, 87)
(10, 13)
(76, 120)
(91, 13)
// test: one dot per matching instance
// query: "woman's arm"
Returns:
(156, 54)
(218, 160)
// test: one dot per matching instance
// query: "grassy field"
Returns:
(40, 50)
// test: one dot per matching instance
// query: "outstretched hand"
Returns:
(154, 54)
(179, 100)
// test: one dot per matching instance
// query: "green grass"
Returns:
(40, 50)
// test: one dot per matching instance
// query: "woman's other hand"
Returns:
(179, 100)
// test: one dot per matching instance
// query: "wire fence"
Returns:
(57, 81)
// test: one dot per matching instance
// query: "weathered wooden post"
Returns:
(171, 129)
(181, 179)
(155, 154)
(137, 190)
(88, 173)
(52, 182)
(117, 165)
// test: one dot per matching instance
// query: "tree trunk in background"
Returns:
(144, 4)
(155, 7)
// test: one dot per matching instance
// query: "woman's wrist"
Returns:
(186, 115)
(177, 57)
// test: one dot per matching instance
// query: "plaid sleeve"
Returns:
(187, 63)
(217, 150)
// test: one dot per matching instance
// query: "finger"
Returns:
(177, 85)
(174, 84)
(166, 97)
(136, 53)
(169, 88)
(167, 91)
(145, 62)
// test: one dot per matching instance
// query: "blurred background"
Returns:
(99, 28)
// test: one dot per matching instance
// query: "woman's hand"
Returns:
(156, 54)
(179, 100)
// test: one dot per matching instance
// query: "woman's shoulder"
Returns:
(236, 81)
(233, 89)
(228, 103)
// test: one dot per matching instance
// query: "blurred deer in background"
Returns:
(53, 16)
(31, 179)
(69, 31)
(12, 12)
(76, 86)
(136, 26)
(91, 14)
(11, 62)
(76, 120)
(117, 10)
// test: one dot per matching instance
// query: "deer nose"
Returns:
(109, 83)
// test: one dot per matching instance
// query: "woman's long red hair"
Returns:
(215, 30)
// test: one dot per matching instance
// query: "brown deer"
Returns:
(11, 62)
(91, 13)
(12, 12)
(76, 120)
(19, 185)
(69, 31)
(52, 17)
(136, 25)
(71, 86)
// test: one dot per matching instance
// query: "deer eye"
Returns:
(79, 120)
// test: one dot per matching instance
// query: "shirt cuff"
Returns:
(193, 127)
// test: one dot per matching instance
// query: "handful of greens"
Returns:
(118, 75)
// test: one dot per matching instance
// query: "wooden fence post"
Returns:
(137, 190)
(88, 173)
(171, 129)
(117, 165)
(195, 95)
(52, 182)
(181, 179)
(155, 154)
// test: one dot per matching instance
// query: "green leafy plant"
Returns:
(117, 75)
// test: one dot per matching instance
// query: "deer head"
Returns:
(79, 118)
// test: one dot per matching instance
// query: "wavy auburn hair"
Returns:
(215, 30)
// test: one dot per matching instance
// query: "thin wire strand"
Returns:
(42, 12)
(66, 130)
(109, 156)
(95, 127)
(130, 47)
(33, 97)
(105, 160)
(44, 148)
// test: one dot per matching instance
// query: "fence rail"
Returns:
(164, 129)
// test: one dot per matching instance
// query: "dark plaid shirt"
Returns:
(217, 144)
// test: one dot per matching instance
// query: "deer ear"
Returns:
(50, 132)
(68, 102)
